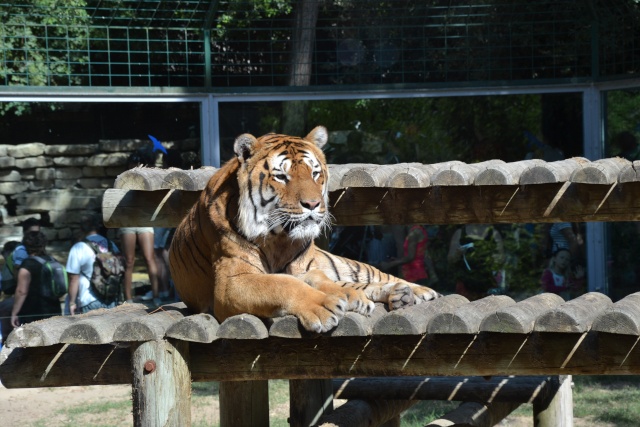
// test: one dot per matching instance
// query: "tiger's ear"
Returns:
(244, 146)
(318, 135)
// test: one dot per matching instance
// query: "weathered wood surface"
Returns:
(473, 414)
(161, 383)
(410, 175)
(451, 314)
(365, 413)
(563, 201)
(244, 403)
(557, 410)
(523, 389)
(309, 400)
(475, 344)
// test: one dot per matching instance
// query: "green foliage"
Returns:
(243, 14)
(623, 114)
(40, 48)
(524, 258)
(614, 399)
(432, 130)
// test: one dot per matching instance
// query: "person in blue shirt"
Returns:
(17, 254)
(20, 252)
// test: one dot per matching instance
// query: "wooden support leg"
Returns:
(557, 409)
(244, 403)
(161, 384)
(309, 400)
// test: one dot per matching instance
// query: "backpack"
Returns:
(107, 273)
(53, 275)
(9, 280)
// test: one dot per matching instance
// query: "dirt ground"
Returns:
(41, 406)
(25, 407)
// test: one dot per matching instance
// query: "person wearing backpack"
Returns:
(34, 299)
(15, 257)
(84, 297)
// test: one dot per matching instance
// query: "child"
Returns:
(559, 278)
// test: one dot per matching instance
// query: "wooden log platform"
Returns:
(572, 190)
(542, 335)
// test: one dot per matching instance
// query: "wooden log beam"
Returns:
(520, 318)
(467, 319)
(488, 204)
(483, 354)
(407, 175)
(365, 413)
(622, 318)
(574, 316)
(473, 414)
(520, 389)
(414, 320)
(160, 208)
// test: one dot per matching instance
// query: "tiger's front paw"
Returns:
(422, 294)
(401, 296)
(324, 316)
(358, 302)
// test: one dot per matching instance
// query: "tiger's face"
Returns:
(283, 185)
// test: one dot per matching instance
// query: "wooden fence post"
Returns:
(244, 403)
(309, 400)
(161, 383)
(557, 410)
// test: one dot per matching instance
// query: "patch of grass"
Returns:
(598, 400)
(102, 414)
(205, 389)
(425, 411)
(608, 399)
(97, 408)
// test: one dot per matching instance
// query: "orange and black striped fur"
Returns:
(247, 245)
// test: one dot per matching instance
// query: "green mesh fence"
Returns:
(191, 43)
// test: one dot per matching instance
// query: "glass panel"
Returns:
(433, 130)
(622, 129)
(81, 147)
(87, 123)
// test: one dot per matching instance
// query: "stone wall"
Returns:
(60, 183)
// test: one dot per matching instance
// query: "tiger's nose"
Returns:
(310, 204)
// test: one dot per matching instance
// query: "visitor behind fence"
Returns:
(162, 236)
(32, 298)
(13, 255)
(476, 255)
(560, 278)
(81, 298)
(415, 263)
(6, 301)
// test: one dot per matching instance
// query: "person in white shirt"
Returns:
(80, 298)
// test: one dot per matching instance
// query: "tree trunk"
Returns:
(303, 39)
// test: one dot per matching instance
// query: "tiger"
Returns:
(247, 244)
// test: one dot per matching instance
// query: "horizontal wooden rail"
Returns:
(416, 175)
(451, 314)
(432, 205)
(485, 354)
(523, 389)
(573, 190)
(446, 337)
